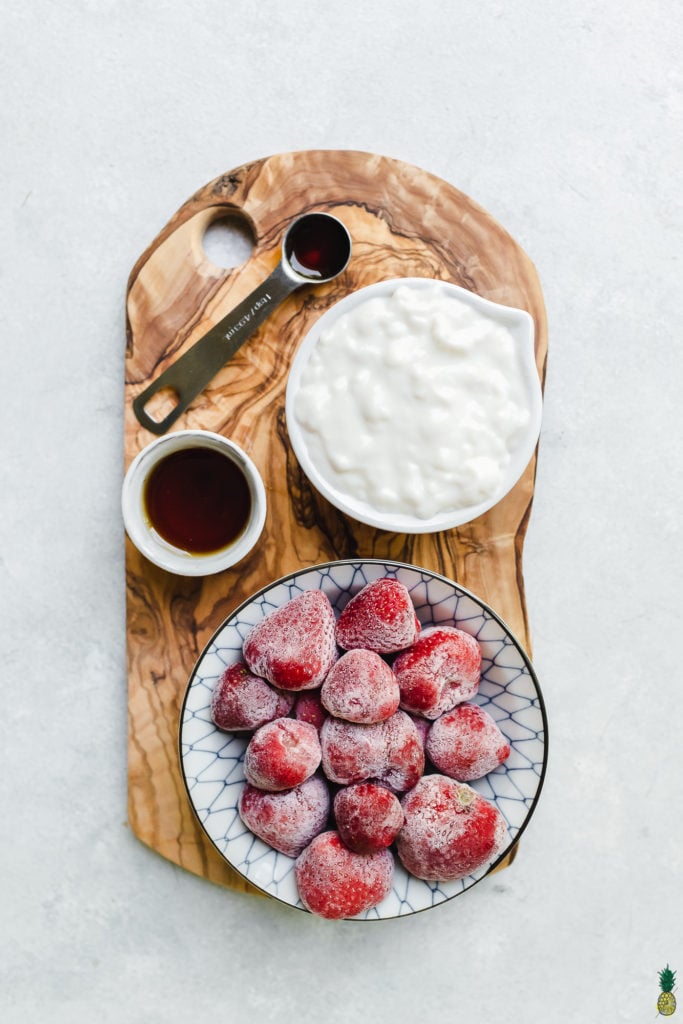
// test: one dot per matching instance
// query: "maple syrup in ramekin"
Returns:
(198, 500)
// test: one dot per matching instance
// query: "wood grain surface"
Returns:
(404, 222)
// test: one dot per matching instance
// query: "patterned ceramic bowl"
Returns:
(211, 760)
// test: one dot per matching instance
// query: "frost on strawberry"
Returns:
(450, 830)
(368, 816)
(379, 618)
(441, 669)
(287, 820)
(241, 702)
(334, 882)
(466, 743)
(294, 647)
(360, 687)
(308, 708)
(282, 754)
(389, 752)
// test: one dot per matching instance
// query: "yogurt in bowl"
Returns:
(414, 405)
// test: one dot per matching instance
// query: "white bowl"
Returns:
(520, 326)
(211, 761)
(151, 544)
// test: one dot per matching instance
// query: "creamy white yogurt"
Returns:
(413, 402)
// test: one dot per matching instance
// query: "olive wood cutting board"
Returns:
(404, 222)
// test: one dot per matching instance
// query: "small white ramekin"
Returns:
(145, 537)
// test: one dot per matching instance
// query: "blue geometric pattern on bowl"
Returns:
(211, 760)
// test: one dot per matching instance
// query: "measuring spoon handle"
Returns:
(190, 374)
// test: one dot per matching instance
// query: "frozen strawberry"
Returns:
(334, 882)
(422, 725)
(368, 816)
(360, 687)
(282, 754)
(389, 752)
(466, 743)
(294, 647)
(379, 618)
(309, 709)
(440, 670)
(242, 702)
(405, 753)
(287, 821)
(350, 752)
(450, 830)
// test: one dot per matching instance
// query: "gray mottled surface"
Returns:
(564, 121)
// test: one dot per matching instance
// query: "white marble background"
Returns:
(564, 120)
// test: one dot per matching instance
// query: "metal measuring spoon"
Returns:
(315, 249)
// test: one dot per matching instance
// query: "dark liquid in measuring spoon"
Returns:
(198, 500)
(318, 247)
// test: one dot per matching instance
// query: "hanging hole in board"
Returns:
(228, 241)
